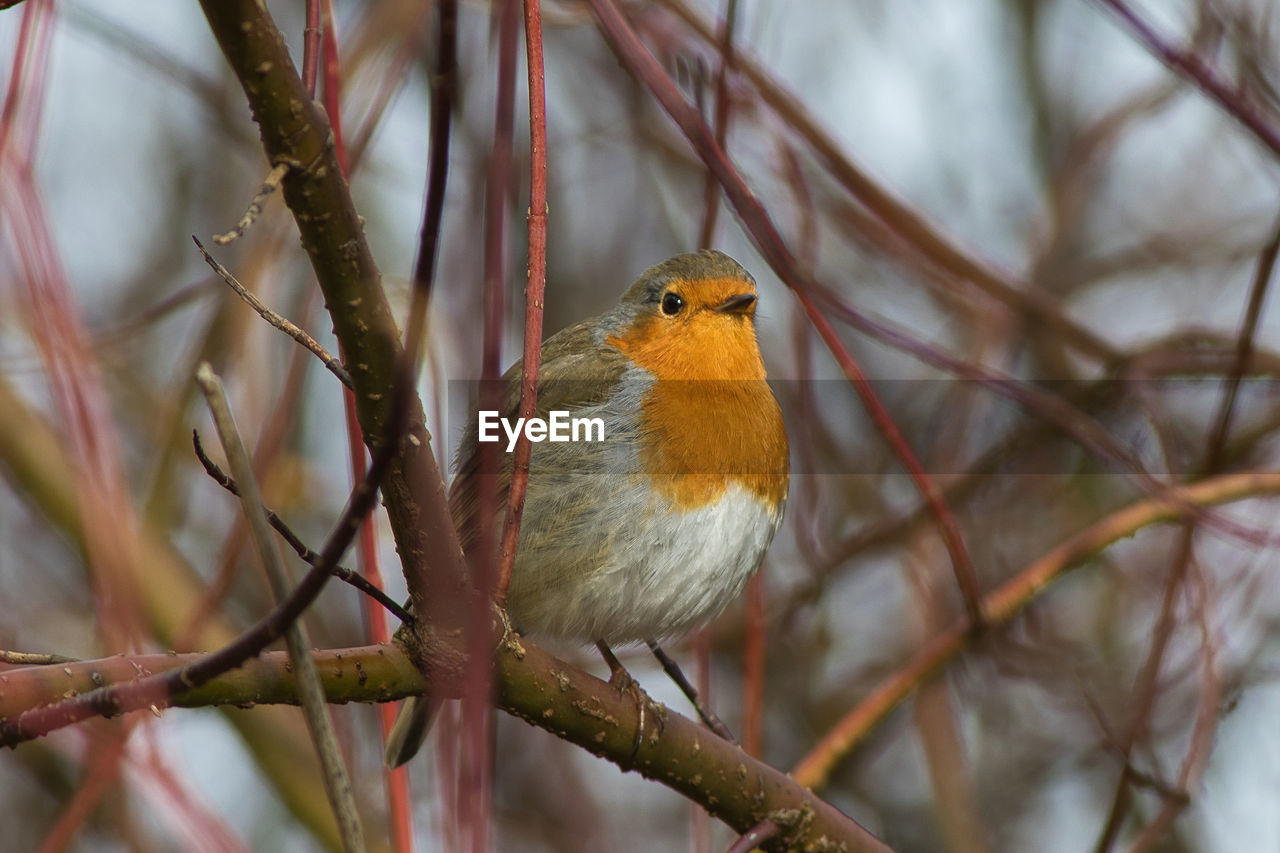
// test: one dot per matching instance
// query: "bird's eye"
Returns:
(671, 303)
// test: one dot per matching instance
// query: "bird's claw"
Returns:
(623, 682)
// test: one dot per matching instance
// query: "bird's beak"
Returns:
(739, 303)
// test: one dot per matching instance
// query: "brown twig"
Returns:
(282, 323)
(1245, 344)
(902, 220)
(1146, 686)
(295, 542)
(962, 566)
(753, 667)
(1192, 66)
(444, 80)
(484, 567)
(1007, 600)
(1052, 408)
(1201, 741)
(272, 183)
(337, 781)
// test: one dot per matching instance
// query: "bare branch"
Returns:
(337, 780)
(259, 200)
(282, 323)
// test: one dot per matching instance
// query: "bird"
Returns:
(652, 528)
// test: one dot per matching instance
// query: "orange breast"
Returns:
(710, 420)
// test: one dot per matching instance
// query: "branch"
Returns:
(1033, 303)
(292, 539)
(533, 685)
(337, 780)
(534, 288)
(295, 131)
(159, 690)
(362, 674)
(1191, 65)
(282, 323)
(1006, 601)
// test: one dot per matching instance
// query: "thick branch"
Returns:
(363, 674)
(296, 131)
(533, 685)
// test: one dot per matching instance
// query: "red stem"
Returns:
(333, 85)
(535, 287)
(311, 47)
(712, 200)
(395, 782)
(753, 659)
(491, 393)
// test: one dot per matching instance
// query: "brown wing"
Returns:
(575, 373)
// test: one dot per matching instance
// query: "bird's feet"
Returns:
(624, 683)
(674, 672)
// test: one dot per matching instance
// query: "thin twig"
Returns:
(1230, 96)
(337, 782)
(962, 565)
(711, 198)
(1007, 600)
(311, 48)
(259, 200)
(1051, 408)
(498, 180)
(291, 329)
(295, 542)
(1033, 303)
(753, 663)
(32, 658)
(535, 287)
(444, 76)
(1146, 684)
(1198, 750)
(1262, 277)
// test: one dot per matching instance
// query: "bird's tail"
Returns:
(410, 729)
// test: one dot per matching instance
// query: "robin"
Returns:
(653, 527)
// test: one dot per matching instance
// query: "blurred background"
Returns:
(1011, 188)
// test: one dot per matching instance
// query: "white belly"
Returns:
(620, 578)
